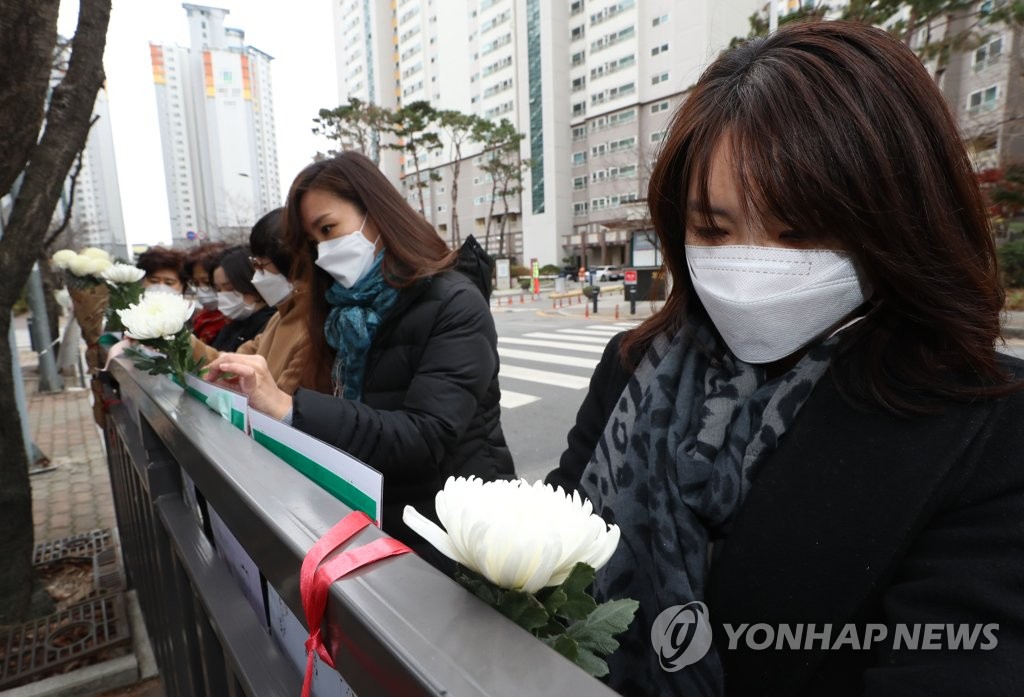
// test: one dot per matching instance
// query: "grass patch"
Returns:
(1014, 299)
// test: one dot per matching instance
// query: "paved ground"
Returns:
(72, 494)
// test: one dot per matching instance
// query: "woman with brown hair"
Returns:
(813, 450)
(409, 342)
(165, 269)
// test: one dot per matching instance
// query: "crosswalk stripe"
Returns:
(627, 325)
(586, 332)
(565, 345)
(545, 377)
(567, 337)
(603, 328)
(511, 400)
(539, 357)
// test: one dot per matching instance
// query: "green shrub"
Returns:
(525, 283)
(591, 291)
(1011, 261)
(550, 270)
(517, 270)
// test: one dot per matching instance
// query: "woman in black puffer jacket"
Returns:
(409, 342)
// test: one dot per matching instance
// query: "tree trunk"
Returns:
(45, 163)
(51, 282)
(490, 217)
(455, 204)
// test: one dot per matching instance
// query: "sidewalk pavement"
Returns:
(75, 495)
(517, 300)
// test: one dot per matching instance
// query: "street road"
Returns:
(546, 363)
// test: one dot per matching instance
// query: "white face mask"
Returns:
(233, 306)
(161, 288)
(347, 258)
(274, 287)
(207, 297)
(769, 302)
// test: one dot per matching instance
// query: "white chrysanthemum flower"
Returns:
(81, 265)
(156, 316)
(95, 253)
(62, 258)
(97, 266)
(123, 273)
(518, 536)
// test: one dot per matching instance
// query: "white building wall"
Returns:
(215, 105)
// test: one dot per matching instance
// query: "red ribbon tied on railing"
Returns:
(315, 583)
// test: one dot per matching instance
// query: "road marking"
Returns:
(537, 356)
(587, 332)
(511, 400)
(565, 337)
(545, 377)
(586, 348)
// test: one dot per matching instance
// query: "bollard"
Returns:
(553, 303)
(616, 310)
(510, 300)
(520, 298)
(586, 311)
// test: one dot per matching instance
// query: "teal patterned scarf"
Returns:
(351, 324)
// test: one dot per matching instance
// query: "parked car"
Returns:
(608, 273)
(571, 273)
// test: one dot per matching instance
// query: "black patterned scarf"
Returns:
(672, 468)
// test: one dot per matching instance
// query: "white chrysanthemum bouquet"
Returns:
(531, 551)
(83, 272)
(124, 282)
(160, 321)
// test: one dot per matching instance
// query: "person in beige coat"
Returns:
(284, 342)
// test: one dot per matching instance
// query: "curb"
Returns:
(101, 677)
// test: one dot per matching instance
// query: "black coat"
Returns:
(431, 401)
(238, 331)
(861, 517)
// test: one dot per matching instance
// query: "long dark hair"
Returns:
(267, 240)
(837, 128)
(413, 249)
(239, 270)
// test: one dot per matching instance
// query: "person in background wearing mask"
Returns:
(816, 431)
(283, 343)
(165, 270)
(409, 342)
(238, 300)
(208, 320)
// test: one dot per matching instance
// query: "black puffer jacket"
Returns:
(237, 332)
(430, 404)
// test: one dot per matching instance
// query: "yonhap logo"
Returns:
(681, 635)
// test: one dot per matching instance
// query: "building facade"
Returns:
(590, 84)
(96, 216)
(216, 113)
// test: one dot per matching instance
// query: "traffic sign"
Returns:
(629, 277)
(191, 234)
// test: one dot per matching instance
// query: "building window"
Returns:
(599, 150)
(988, 54)
(533, 64)
(657, 136)
(657, 79)
(622, 144)
(658, 21)
(579, 57)
(579, 158)
(579, 183)
(598, 175)
(983, 100)
(579, 108)
(658, 50)
(579, 208)
(660, 106)
(575, 8)
(577, 33)
(579, 83)
(579, 132)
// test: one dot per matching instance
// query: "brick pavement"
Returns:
(75, 496)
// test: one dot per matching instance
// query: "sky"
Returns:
(299, 36)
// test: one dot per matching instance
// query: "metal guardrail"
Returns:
(398, 627)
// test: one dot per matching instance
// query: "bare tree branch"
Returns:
(71, 193)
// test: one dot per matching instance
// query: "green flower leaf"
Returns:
(564, 645)
(478, 585)
(523, 609)
(578, 604)
(591, 663)
(596, 632)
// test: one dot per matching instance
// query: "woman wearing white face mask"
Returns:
(283, 343)
(238, 300)
(200, 262)
(816, 431)
(407, 342)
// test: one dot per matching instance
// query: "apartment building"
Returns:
(216, 113)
